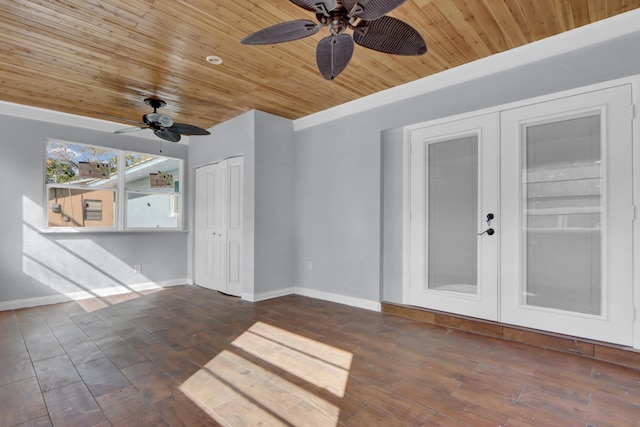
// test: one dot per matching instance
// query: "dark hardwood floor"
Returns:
(186, 356)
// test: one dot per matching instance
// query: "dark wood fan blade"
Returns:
(389, 35)
(314, 5)
(128, 130)
(333, 55)
(185, 129)
(370, 9)
(284, 32)
(167, 135)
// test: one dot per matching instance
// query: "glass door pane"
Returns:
(453, 185)
(566, 247)
(562, 183)
(453, 215)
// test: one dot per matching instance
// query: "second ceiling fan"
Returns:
(367, 18)
(162, 125)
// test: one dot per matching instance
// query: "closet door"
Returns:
(234, 226)
(454, 217)
(211, 226)
(219, 225)
(566, 192)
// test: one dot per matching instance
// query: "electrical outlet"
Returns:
(137, 268)
(309, 265)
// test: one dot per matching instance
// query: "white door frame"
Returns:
(634, 81)
(484, 302)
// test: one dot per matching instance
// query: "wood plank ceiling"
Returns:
(103, 57)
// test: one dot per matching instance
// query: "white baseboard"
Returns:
(340, 299)
(75, 296)
(312, 293)
(267, 295)
(145, 286)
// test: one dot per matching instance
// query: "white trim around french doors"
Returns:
(555, 174)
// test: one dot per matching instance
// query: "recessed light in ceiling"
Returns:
(214, 59)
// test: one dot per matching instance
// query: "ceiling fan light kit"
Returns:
(162, 125)
(371, 27)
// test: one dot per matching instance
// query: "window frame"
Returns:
(120, 191)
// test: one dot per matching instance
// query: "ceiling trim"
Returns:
(587, 35)
(66, 119)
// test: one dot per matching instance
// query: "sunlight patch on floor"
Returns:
(275, 386)
(321, 365)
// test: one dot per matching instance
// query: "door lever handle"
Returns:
(489, 231)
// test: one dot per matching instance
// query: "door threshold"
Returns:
(611, 353)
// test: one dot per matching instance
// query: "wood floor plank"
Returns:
(15, 368)
(44, 347)
(38, 422)
(12, 345)
(187, 356)
(180, 411)
(73, 405)
(372, 417)
(56, 372)
(122, 353)
(102, 377)
(173, 363)
(21, 402)
(150, 381)
(127, 407)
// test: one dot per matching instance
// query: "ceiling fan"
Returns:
(367, 18)
(161, 124)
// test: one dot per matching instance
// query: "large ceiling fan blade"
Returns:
(129, 130)
(167, 135)
(284, 32)
(370, 9)
(389, 35)
(316, 5)
(333, 55)
(185, 129)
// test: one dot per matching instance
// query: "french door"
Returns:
(524, 216)
(454, 216)
(567, 205)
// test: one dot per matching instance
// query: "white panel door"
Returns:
(218, 240)
(210, 263)
(217, 209)
(566, 239)
(234, 226)
(200, 237)
(454, 216)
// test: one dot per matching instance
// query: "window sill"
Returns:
(107, 231)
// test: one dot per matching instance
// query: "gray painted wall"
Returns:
(274, 203)
(40, 265)
(265, 141)
(339, 187)
(339, 184)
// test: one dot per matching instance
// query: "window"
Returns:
(85, 189)
(93, 210)
(153, 197)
